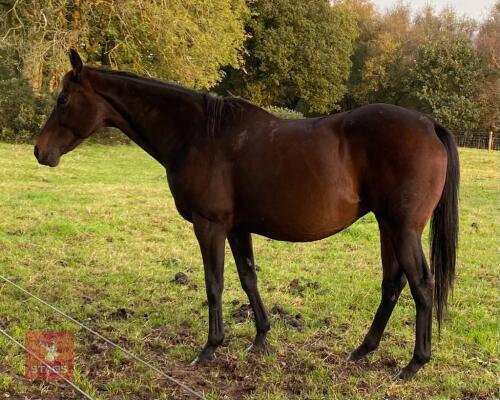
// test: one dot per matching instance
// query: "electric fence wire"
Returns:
(34, 355)
(117, 346)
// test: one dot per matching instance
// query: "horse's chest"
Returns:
(181, 199)
(204, 191)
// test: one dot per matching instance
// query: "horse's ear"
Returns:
(76, 63)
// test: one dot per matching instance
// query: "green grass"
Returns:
(101, 232)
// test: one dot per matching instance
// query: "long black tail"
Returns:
(444, 227)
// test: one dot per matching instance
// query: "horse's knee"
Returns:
(249, 283)
(214, 292)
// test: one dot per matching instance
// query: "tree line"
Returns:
(311, 57)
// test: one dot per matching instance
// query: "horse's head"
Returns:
(78, 113)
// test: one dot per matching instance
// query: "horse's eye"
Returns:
(62, 99)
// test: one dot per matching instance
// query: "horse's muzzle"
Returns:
(50, 158)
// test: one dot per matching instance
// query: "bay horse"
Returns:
(234, 169)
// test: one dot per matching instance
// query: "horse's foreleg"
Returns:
(393, 282)
(241, 246)
(211, 238)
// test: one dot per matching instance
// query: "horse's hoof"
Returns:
(405, 374)
(357, 354)
(261, 348)
(200, 361)
(205, 355)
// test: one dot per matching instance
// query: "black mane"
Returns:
(224, 111)
(219, 110)
(146, 80)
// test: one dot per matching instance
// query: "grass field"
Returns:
(100, 238)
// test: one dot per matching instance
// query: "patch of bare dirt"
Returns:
(295, 321)
(297, 287)
(121, 313)
(243, 313)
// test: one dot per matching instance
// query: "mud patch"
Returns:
(243, 313)
(295, 321)
(296, 287)
(181, 278)
(121, 314)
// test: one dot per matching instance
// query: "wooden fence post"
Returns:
(490, 141)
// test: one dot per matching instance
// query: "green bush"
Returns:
(283, 112)
(22, 113)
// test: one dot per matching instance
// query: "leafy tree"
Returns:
(488, 45)
(307, 56)
(389, 47)
(383, 76)
(187, 41)
(298, 55)
(445, 80)
(428, 25)
(366, 18)
(183, 40)
(427, 62)
(382, 69)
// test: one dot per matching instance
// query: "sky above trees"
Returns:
(477, 9)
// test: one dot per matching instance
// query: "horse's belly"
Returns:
(298, 233)
(304, 217)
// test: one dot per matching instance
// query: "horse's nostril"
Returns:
(36, 152)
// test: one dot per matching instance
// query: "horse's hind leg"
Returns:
(408, 249)
(241, 246)
(393, 282)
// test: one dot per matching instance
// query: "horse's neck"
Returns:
(159, 118)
